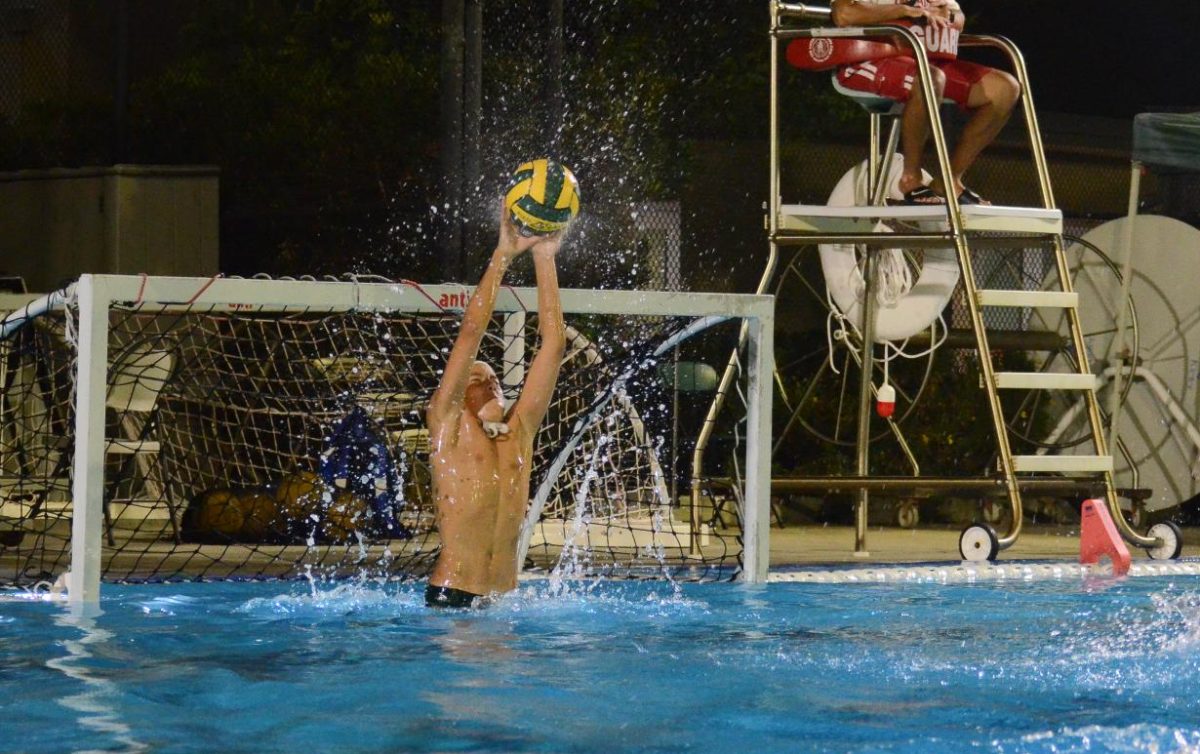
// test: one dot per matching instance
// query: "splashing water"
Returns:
(575, 564)
(575, 558)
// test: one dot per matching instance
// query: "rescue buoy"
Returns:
(901, 316)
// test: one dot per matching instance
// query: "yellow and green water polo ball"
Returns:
(543, 197)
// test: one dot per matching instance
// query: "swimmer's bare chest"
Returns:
(492, 478)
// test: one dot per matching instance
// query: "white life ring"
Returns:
(910, 313)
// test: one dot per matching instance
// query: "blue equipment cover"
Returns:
(357, 459)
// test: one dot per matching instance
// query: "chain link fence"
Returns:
(35, 51)
(58, 81)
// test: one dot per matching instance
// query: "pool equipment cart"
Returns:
(1153, 388)
(943, 233)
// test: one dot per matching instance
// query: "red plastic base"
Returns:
(1098, 536)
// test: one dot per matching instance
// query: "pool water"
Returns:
(1070, 666)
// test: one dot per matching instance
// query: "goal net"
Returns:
(176, 428)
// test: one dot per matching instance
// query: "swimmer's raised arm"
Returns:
(531, 407)
(447, 401)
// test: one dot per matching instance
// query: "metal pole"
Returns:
(880, 168)
(773, 198)
(675, 428)
(879, 188)
(863, 444)
(472, 96)
(87, 491)
(453, 42)
(756, 517)
(553, 81)
(121, 84)
(873, 153)
(477, 217)
(1116, 357)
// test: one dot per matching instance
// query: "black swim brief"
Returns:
(448, 596)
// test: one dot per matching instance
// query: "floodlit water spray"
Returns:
(575, 558)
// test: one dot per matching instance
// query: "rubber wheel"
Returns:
(908, 515)
(1172, 541)
(978, 542)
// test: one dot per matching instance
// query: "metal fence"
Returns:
(35, 47)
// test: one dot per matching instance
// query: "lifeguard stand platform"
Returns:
(869, 226)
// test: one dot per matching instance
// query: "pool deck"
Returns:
(815, 545)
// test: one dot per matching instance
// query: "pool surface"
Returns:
(1079, 665)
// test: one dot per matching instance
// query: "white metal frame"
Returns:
(95, 294)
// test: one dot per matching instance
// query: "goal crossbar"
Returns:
(238, 294)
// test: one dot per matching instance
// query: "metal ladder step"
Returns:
(976, 217)
(1045, 381)
(1049, 299)
(1063, 463)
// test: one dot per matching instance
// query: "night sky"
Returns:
(1102, 57)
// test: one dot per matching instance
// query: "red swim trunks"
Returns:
(893, 77)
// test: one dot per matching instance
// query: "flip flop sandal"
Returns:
(970, 197)
(921, 196)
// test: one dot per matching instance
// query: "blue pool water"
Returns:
(1071, 666)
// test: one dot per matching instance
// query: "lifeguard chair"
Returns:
(949, 230)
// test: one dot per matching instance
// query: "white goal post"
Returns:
(95, 295)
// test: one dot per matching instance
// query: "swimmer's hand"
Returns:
(547, 246)
(512, 244)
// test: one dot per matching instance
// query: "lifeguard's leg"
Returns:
(914, 131)
(990, 101)
(893, 78)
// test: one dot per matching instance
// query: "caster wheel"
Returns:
(908, 516)
(978, 542)
(1172, 541)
